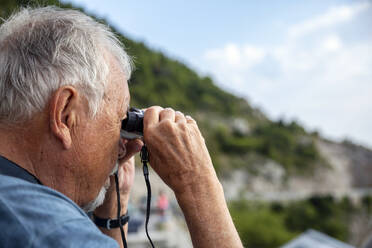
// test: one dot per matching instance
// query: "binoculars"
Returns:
(132, 126)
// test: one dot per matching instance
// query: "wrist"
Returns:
(111, 223)
(200, 191)
(109, 207)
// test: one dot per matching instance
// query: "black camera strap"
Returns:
(9, 168)
(118, 213)
(144, 159)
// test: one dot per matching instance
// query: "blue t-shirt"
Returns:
(33, 215)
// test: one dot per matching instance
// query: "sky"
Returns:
(309, 61)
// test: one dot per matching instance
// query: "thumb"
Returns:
(132, 147)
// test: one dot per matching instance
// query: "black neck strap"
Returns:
(144, 159)
(9, 168)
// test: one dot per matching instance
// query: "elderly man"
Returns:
(63, 95)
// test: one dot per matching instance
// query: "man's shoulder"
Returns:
(19, 193)
(37, 215)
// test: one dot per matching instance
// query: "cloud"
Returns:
(332, 17)
(332, 43)
(234, 55)
(323, 79)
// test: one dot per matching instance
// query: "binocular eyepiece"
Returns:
(132, 126)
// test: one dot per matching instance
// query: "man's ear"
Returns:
(63, 111)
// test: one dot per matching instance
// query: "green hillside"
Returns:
(237, 134)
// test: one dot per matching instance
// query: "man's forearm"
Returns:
(207, 216)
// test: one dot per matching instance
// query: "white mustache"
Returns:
(115, 168)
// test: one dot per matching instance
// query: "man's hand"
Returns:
(177, 149)
(179, 155)
(126, 168)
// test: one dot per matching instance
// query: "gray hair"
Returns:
(43, 49)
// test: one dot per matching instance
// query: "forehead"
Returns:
(117, 87)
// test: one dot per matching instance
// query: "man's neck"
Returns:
(28, 145)
(14, 145)
(35, 152)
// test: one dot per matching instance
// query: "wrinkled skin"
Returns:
(177, 149)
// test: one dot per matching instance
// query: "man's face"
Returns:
(99, 138)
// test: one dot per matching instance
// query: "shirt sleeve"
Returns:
(75, 233)
(37, 216)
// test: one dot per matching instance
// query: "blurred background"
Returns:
(282, 93)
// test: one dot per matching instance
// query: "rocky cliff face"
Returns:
(360, 164)
(348, 173)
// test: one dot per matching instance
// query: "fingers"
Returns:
(189, 119)
(179, 117)
(131, 147)
(167, 114)
(155, 114)
(151, 116)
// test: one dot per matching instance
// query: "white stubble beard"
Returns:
(92, 205)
